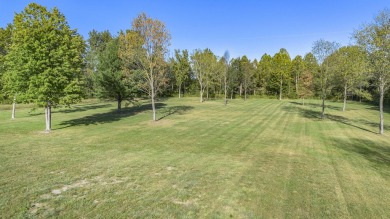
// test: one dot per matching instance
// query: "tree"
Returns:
(374, 38)
(203, 62)
(181, 68)
(247, 71)
(305, 84)
(264, 68)
(113, 80)
(281, 65)
(349, 64)
(44, 64)
(5, 43)
(322, 50)
(226, 59)
(150, 57)
(297, 68)
(233, 76)
(96, 44)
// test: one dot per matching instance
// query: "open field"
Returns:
(250, 159)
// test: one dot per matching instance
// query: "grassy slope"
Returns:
(255, 158)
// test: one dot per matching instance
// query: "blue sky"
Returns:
(249, 28)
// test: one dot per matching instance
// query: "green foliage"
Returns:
(181, 67)
(44, 63)
(281, 65)
(96, 44)
(113, 80)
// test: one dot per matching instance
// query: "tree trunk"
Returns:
(48, 117)
(296, 84)
(303, 101)
(281, 88)
(179, 91)
(201, 93)
(207, 94)
(360, 96)
(244, 92)
(345, 97)
(381, 119)
(240, 89)
(13, 108)
(231, 94)
(152, 95)
(323, 107)
(225, 90)
(119, 99)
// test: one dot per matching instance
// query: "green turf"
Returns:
(250, 159)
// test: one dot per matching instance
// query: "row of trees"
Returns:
(44, 61)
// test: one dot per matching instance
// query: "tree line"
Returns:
(45, 62)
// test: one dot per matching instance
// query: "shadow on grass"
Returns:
(309, 113)
(113, 115)
(315, 105)
(376, 152)
(168, 111)
(72, 109)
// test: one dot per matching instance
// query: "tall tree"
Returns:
(96, 44)
(349, 64)
(44, 64)
(113, 80)
(264, 69)
(374, 38)
(5, 43)
(181, 68)
(226, 60)
(306, 86)
(247, 71)
(281, 66)
(233, 76)
(297, 68)
(203, 64)
(322, 49)
(151, 58)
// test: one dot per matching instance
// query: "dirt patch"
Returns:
(65, 188)
(186, 202)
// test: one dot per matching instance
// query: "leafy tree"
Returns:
(113, 80)
(233, 76)
(264, 69)
(44, 64)
(322, 50)
(181, 68)
(150, 57)
(247, 71)
(203, 62)
(96, 44)
(374, 38)
(297, 68)
(225, 60)
(349, 64)
(281, 66)
(5, 43)
(305, 83)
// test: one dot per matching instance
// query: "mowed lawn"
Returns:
(258, 158)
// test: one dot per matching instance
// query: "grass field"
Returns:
(250, 159)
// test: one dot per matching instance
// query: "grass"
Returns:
(250, 159)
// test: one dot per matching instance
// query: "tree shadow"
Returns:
(376, 152)
(316, 115)
(109, 117)
(72, 109)
(319, 105)
(113, 115)
(168, 111)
